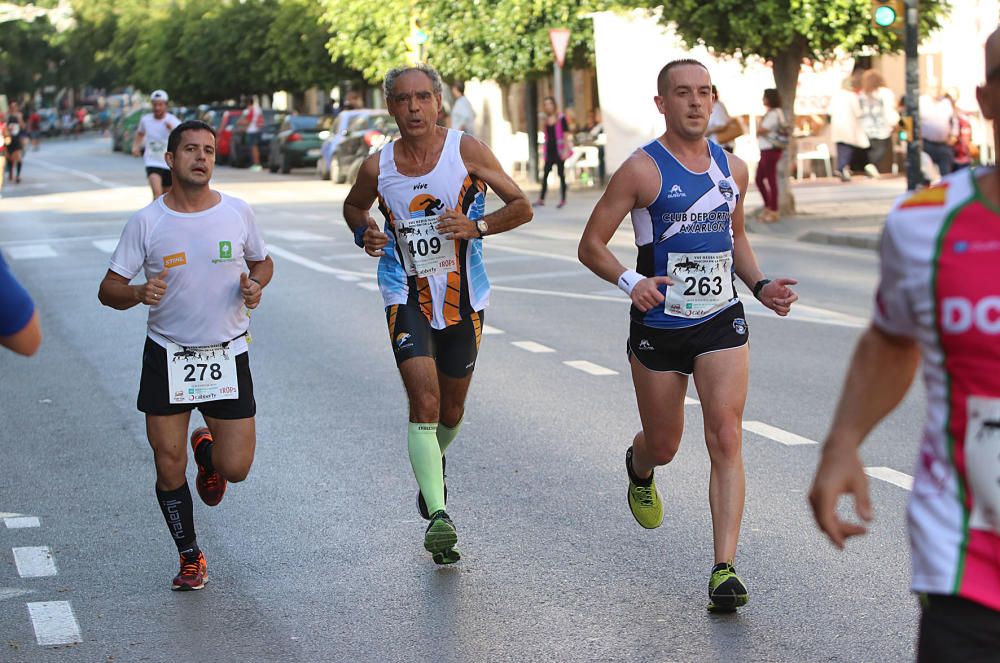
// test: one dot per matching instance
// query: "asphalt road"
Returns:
(318, 556)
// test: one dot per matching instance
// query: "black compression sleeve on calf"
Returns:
(178, 511)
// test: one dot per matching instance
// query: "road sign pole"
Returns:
(914, 176)
(558, 86)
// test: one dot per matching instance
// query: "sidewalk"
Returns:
(828, 211)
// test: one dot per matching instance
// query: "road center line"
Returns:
(35, 562)
(890, 475)
(589, 367)
(776, 434)
(54, 623)
(531, 346)
(22, 522)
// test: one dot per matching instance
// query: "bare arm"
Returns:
(26, 341)
(137, 141)
(878, 378)
(358, 204)
(116, 292)
(252, 284)
(622, 195)
(481, 162)
(776, 295)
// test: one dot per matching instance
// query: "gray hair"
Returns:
(390, 78)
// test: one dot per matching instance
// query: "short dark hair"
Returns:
(771, 98)
(459, 85)
(191, 125)
(663, 78)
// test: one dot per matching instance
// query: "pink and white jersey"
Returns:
(940, 285)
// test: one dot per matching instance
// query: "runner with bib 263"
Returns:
(685, 196)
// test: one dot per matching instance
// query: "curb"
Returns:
(870, 242)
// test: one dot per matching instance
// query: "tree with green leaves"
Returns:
(788, 33)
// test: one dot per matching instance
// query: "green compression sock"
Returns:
(425, 458)
(447, 435)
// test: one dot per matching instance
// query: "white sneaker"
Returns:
(872, 171)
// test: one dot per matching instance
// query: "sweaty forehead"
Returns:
(413, 81)
(689, 75)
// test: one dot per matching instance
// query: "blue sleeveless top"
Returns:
(686, 234)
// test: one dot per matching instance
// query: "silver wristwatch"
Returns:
(482, 226)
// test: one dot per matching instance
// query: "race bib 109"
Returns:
(423, 250)
(199, 374)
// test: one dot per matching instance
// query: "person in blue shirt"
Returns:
(20, 330)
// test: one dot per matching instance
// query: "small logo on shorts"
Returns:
(740, 325)
(401, 341)
(676, 192)
(645, 345)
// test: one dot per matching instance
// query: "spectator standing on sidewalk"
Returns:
(939, 130)
(845, 124)
(965, 151)
(558, 148)
(723, 129)
(878, 119)
(772, 139)
(463, 117)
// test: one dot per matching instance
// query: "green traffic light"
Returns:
(885, 16)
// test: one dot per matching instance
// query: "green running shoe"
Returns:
(643, 500)
(726, 591)
(440, 539)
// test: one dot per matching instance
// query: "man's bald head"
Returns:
(993, 56)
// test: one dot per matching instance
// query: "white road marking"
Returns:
(487, 330)
(106, 245)
(31, 251)
(536, 276)
(806, 313)
(78, 173)
(891, 475)
(55, 240)
(21, 522)
(54, 623)
(313, 265)
(531, 346)
(13, 592)
(530, 252)
(35, 562)
(8, 514)
(589, 367)
(299, 236)
(691, 401)
(369, 286)
(776, 434)
(47, 200)
(348, 277)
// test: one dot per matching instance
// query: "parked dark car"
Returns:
(123, 130)
(366, 133)
(297, 143)
(239, 155)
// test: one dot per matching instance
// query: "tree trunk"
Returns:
(786, 66)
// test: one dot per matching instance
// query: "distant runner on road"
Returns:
(152, 134)
(938, 298)
(685, 197)
(205, 266)
(431, 190)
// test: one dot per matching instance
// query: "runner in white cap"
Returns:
(154, 129)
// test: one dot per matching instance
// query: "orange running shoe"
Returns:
(193, 574)
(211, 485)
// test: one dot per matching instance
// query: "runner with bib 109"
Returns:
(431, 190)
(685, 197)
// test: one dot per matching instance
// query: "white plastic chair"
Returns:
(820, 152)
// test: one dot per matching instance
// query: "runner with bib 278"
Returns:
(685, 196)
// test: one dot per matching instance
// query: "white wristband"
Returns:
(628, 280)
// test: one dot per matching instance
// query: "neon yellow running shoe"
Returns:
(726, 591)
(643, 500)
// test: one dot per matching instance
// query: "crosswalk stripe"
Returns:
(589, 367)
(776, 434)
(22, 522)
(531, 346)
(31, 251)
(891, 476)
(34, 562)
(54, 623)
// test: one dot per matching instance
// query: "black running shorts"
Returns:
(674, 350)
(957, 629)
(453, 348)
(154, 389)
(164, 174)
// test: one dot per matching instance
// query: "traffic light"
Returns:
(889, 15)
